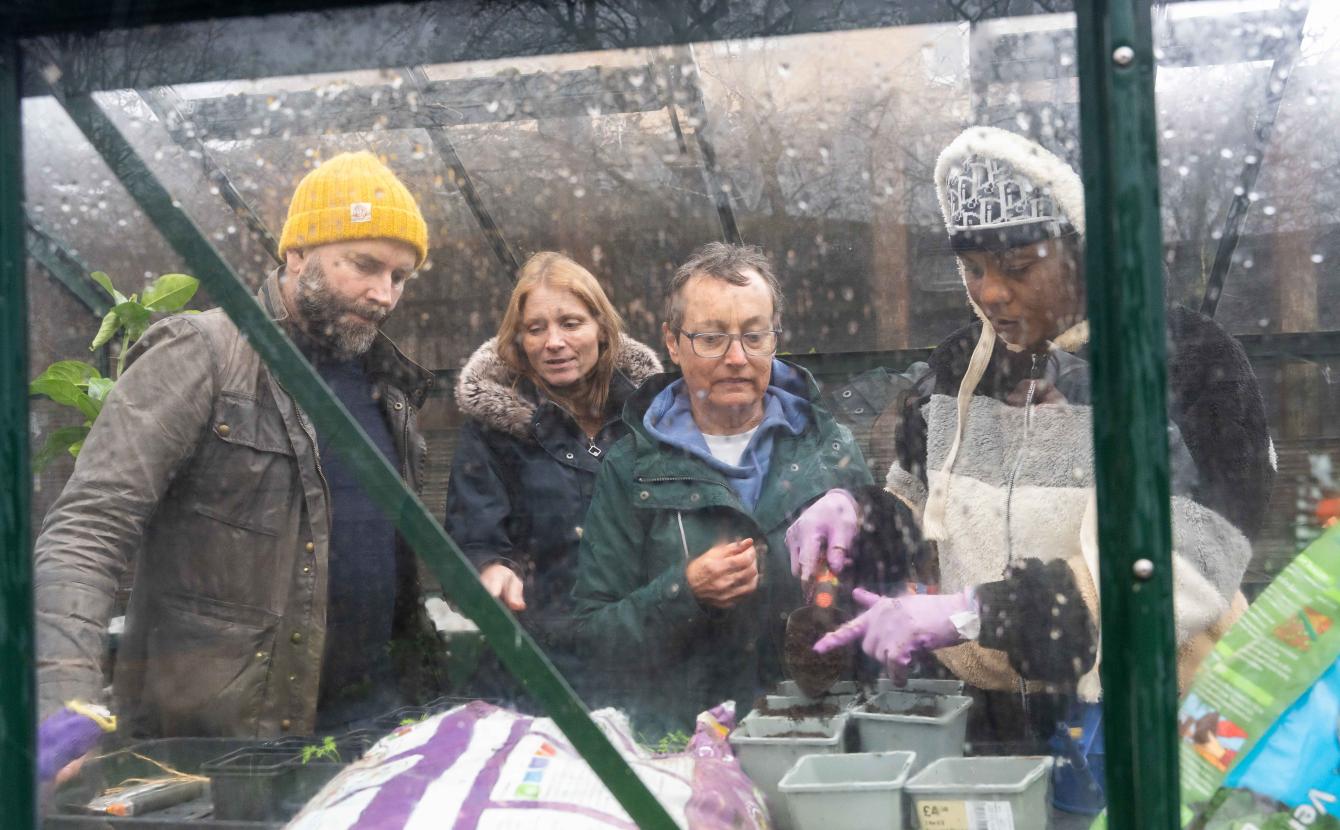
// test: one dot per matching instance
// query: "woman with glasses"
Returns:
(682, 578)
(542, 400)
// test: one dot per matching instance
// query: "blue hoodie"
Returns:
(786, 407)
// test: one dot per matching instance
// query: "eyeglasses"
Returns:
(717, 343)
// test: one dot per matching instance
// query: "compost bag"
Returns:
(487, 768)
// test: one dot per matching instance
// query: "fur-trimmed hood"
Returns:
(490, 392)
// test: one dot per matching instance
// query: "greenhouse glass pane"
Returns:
(909, 179)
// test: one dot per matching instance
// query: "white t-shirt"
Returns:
(729, 448)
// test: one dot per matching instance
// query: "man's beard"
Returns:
(323, 320)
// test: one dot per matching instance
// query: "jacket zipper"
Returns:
(661, 479)
(1018, 463)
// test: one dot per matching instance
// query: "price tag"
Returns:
(965, 815)
(942, 815)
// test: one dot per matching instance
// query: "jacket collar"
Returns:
(385, 362)
(491, 393)
(672, 476)
(636, 408)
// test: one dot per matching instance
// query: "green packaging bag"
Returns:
(1258, 746)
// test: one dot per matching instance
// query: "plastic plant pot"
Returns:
(769, 746)
(921, 686)
(308, 777)
(932, 726)
(251, 784)
(996, 791)
(848, 792)
(842, 688)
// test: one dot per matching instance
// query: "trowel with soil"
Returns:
(816, 673)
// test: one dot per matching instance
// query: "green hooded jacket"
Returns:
(658, 653)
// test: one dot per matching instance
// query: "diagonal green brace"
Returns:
(18, 694)
(67, 269)
(512, 643)
(1125, 297)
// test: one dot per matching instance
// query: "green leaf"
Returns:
(65, 439)
(110, 323)
(62, 381)
(134, 316)
(99, 388)
(89, 407)
(106, 282)
(77, 446)
(170, 292)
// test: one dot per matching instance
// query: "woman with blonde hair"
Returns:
(543, 401)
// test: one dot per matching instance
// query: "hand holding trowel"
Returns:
(814, 672)
(821, 537)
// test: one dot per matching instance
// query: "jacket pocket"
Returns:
(245, 474)
(206, 666)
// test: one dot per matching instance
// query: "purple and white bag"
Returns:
(487, 768)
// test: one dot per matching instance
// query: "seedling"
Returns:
(669, 743)
(324, 751)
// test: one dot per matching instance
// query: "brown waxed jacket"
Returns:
(203, 467)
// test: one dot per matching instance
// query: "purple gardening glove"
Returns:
(68, 735)
(893, 629)
(826, 527)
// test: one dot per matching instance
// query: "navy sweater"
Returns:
(356, 681)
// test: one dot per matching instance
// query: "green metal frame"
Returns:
(1125, 295)
(68, 270)
(1123, 239)
(18, 707)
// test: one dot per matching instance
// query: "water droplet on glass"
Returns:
(1226, 153)
(1183, 170)
(1317, 259)
(1268, 210)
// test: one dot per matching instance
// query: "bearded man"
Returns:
(269, 590)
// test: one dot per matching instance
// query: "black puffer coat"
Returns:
(522, 478)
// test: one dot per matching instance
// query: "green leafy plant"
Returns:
(324, 751)
(80, 385)
(668, 744)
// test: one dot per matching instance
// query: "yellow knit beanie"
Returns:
(353, 196)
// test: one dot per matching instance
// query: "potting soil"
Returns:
(922, 708)
(818, 709)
